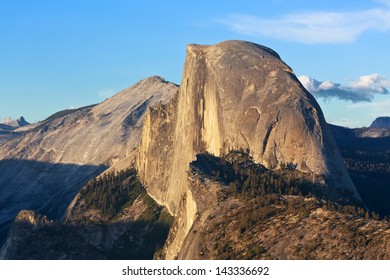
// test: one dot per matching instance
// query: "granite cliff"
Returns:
(234, 95)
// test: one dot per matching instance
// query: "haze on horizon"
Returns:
(60, 55)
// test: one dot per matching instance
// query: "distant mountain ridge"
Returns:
(378, 129)
(10, 128)
(381, 122)
(11, 124)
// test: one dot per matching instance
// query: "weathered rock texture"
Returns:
(233, 95)
(44, 167)
(94, 135)
(291, 228)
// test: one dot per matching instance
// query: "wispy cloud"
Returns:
(362, 89)
(313, 27)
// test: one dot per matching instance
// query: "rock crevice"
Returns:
(234, 95)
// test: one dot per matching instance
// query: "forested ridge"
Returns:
(246, 180)
(281, 214)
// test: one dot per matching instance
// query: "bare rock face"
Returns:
(234, 95)
(44, 167)
(93, 135)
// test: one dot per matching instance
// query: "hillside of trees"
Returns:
(117, 219)
(112, 192)
(282, 214)
(245, 178)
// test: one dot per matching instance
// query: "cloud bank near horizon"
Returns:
(361, 90)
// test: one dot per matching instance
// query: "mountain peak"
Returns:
(22, 121)
(152, 80)
(381, 122)
(235, 95)
(235, 45)
(15, 123)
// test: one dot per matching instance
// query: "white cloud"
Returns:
(363, 89)
(313, 27)
(327, 85)
(375, 82)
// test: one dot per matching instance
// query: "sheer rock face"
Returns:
(234, 95)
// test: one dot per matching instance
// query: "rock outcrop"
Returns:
(234, 95)
(10, 128)
(288, 228)
(12, 124)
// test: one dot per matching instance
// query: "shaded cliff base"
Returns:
(368, 163)
(281, 223)
(97, 226)
(244, 211)
(49, 189)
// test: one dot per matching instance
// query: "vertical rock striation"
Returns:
(234, 95)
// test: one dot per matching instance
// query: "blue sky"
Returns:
(56, 54)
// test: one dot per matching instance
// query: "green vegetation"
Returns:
(247, 180)
(293, 227)
(146, 236)
(112, 192)
(283, 214)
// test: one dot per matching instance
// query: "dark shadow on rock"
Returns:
(47, 188)
(367, 161)
(55, 241)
